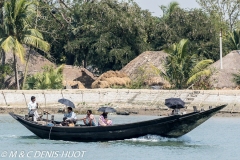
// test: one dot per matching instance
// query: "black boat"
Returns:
(171, 126)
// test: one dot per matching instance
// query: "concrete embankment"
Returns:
(11, 100)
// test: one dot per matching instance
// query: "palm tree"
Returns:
(168, 10)
(181, 68)
(200, 70)
(234, 40)
(177, 63)
(50, 79)
(17, 26)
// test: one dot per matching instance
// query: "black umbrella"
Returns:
(174, 103)
(107, 109)
(66, 102)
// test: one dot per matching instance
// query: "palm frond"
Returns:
(8, 44)
(59, 70)
(168, 10)
(198, 75)
(171, 49)
(35, 33)
(19, 50)
(36, 42)
(182, 47)
(172, 7)
(201, 66)
(18, 6)
(234, 39)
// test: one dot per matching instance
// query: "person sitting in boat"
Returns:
(176, 111)
(89, 120)
(69, 117)
(103, 120)
(32, 109)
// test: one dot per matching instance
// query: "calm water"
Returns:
(218, 138)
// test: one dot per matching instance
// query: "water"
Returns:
(218, 138)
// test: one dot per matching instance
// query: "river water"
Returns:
(218, 138)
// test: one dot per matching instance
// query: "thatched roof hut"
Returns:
(111, 78)
(74, 73)
(223, 78)
(35, 65)
(148, 62)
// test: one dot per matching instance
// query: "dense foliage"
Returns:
(17, 31)
(50, 79)
(107, 34)
(183, 68)
(234, 40)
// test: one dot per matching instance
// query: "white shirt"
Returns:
(32, 105)
(70, 116)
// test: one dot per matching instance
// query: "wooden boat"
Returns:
(172, 126)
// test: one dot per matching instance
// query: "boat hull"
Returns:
(172, 126)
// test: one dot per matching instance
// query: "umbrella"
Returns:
(66, 102)
(107, 109)
(174, 103)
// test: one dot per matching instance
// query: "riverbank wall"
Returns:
(11, 100)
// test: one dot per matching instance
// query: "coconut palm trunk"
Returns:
(17, 18)
(16, 71)
(26, 69)
(3, 57)
(3, 63)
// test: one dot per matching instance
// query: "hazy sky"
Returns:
(153, 5)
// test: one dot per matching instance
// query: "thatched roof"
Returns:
(111, 78)
(36, 62)
(35, 65)
(147, 60)
(74, 73)
(73, 85)
(224, 78)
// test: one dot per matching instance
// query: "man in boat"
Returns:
(32, 109)
(89, 120)
(69, 117)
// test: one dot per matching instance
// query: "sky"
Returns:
(153, 5)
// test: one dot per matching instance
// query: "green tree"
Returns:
(107, 34)
(194, 25)
(228, 10)
(182, 68)
(6, 70)
(168, 10)
(234, 40)
(54, 21)
(50, 79)
(17, 26)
